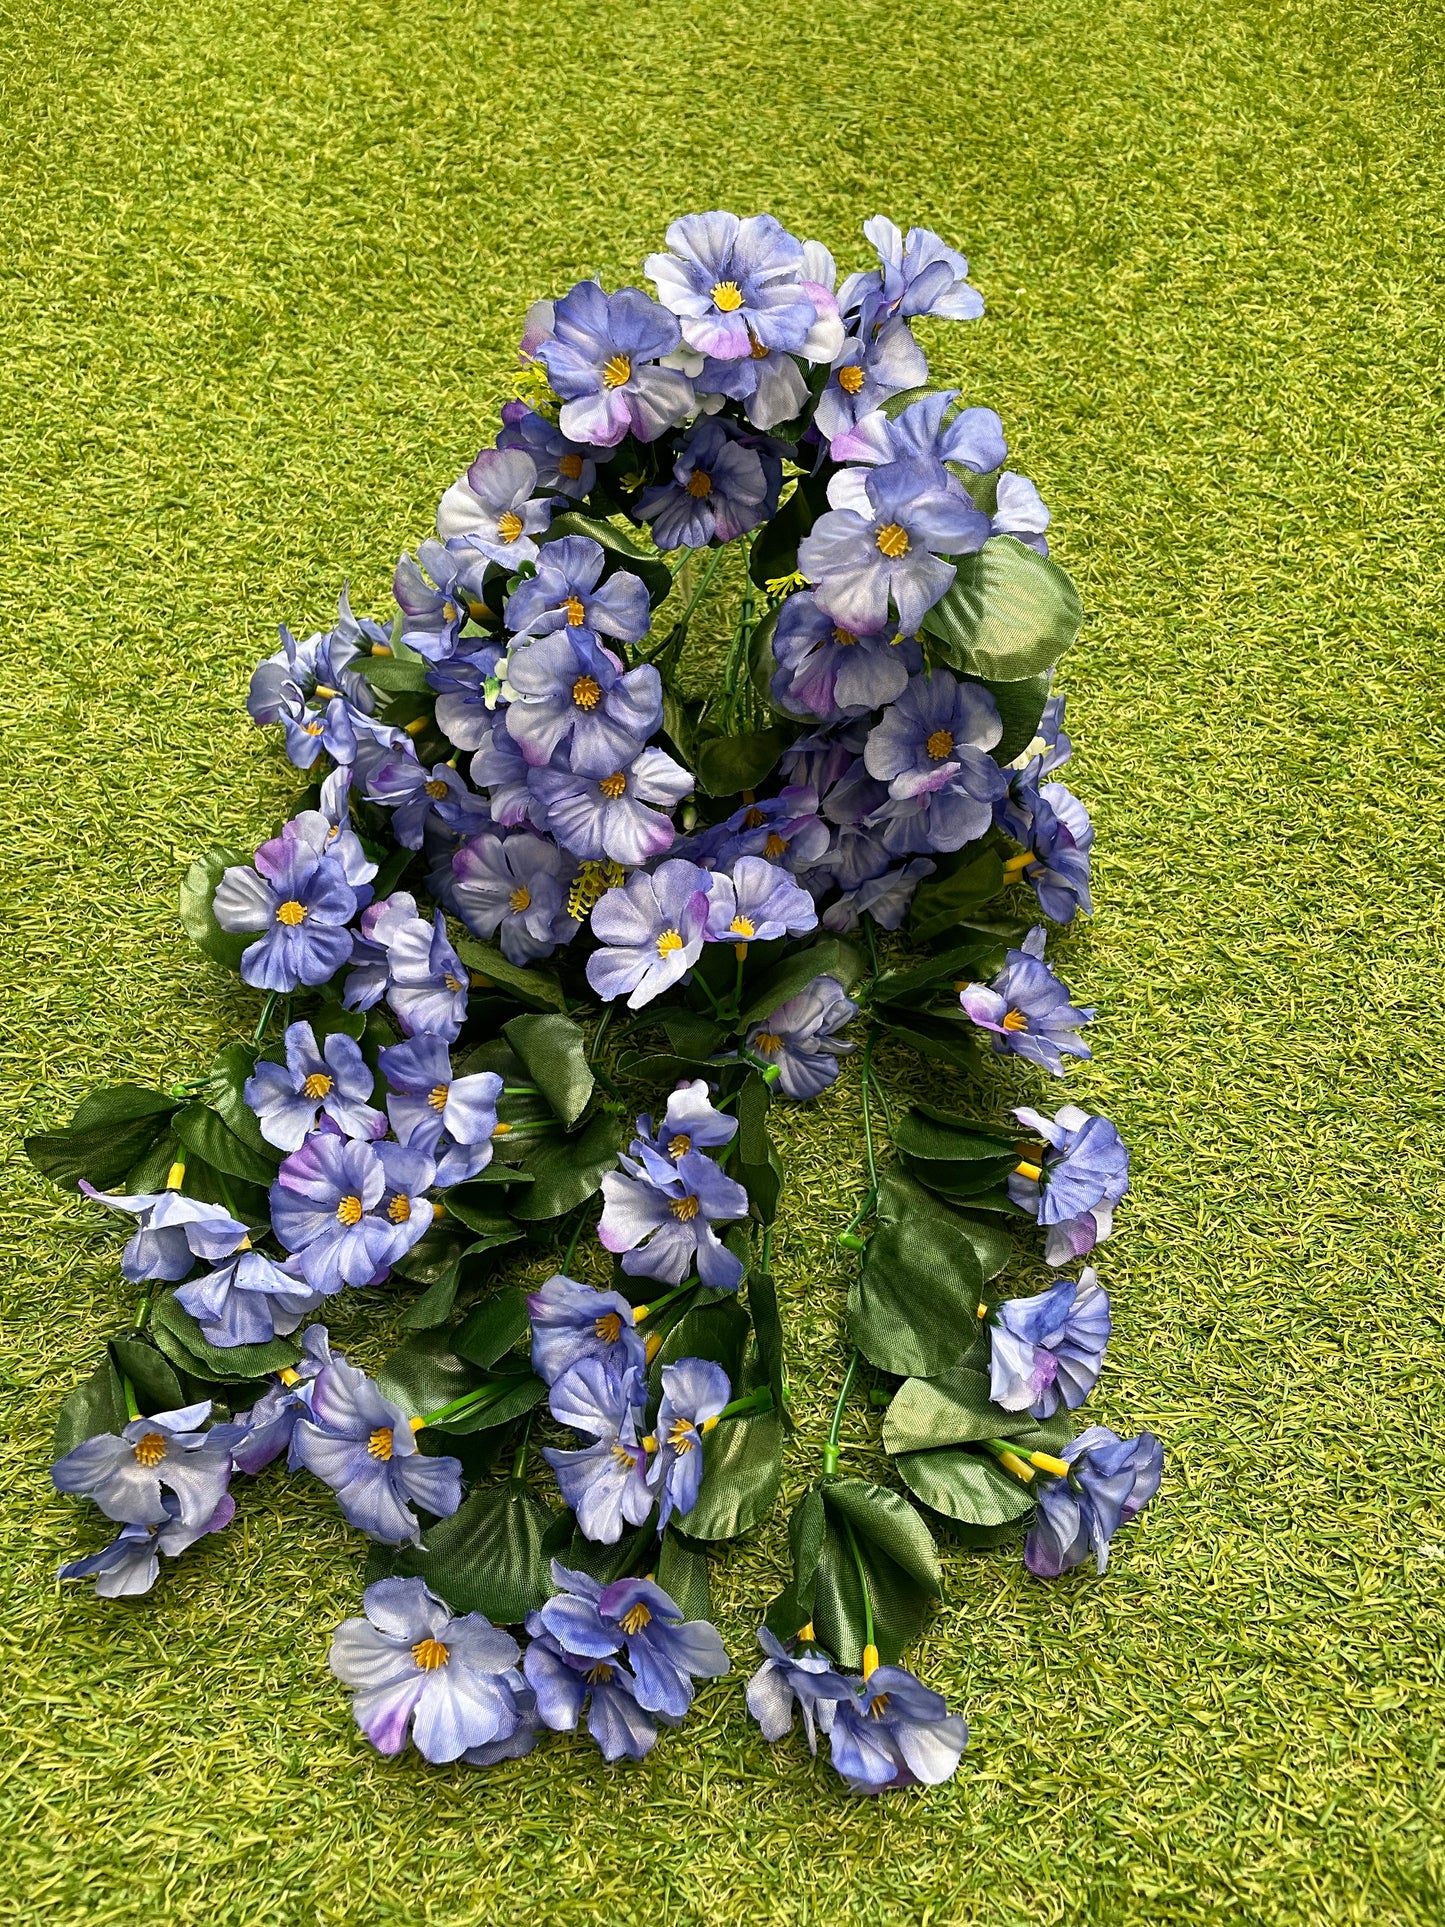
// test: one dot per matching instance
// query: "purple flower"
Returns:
(893, 1732)
(653, 929)
(718, 490)
(362, 1446)
(1110, 1481)
(171, 1232)
(515, 888)
(734, 283)
(1056, 827)
(1048, 1349)
(665, 1652)
(492, 511)
(1028, 1009)
(1083, 1174)
(664, 1225)
(337, 728)
(285, 680)
(452, 1684)
(690, 1123)
(801, 1037)
(605, 1483)
(247, 1300)
(916, 275)
(879, 544)
(931, 749)
(608, 816)
(449, 1119)
(301, 901)
(330, 1206)
(758, 903)
(467, 689)
(130, 1564)
(271, 1421)
(565, 1683)
(602, 359)
(333, 1081)
(566, 593)
(421, 798)
(866, 372)
(424, 979)
(786, 829)
(571, 1322)
(694, 1393)
(566, 691)
(432, 612)
(885, 898)
(500, 768)
(769, 383)
(792, 1676)
(327, 829)
(827, 671)
(128, 1474)
(1019, 511)
(563, 466)
(973, 438)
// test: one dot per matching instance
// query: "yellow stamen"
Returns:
(449, 612)
(570, 466)
(806, 1633)
(776, 845)
(325, 692)
(600, 1673)
(844, 638)
(616, 371)
(351, 1210)
(982, 1311)
(649, 1444)
(1027, 1170)
(699, 485)
(684, 1209)
(436, 1097)
(621, 1454)
(1046, 1462)
(287, 1377)
(576, 611)
(586, 692)
(654, 1345)
(510, 525)
(940, 744)
(378, 1446)
(501, 1130)
(429, 1654)
(176, 1177)
(727, 296)
(453, 984)
(850, 379)
(614, 785)
(520, 899)
(668, 942)
(1015, 1020)
(679, 1146)
(608, 1327)
(1011, 1462)
(1016, 865)
(436, 790)
(291, 913)
(683, 1437)
(754, 818)
(870, 1663)
(317, 728)
(743, 927)
(767, 1043)
(892, 540)
(317, 1086)
(150, 1450)
(635, 1618)
(381, 649)
(399, 1210)
(417, 1425)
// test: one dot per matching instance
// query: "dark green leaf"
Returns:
(970, 1486)
(112, 1130)
(631, 1553)
(396, 675)
(914, 1306)
(742, 1466)
(724, 765)
(554, 1050)
(716, 1332)
(970, 962)
(831, 957)
(946, 900)
(204, 1132)
(618, 550)
(156, 1387)
(179, 1337)
(953, 1409)
(682, 1575)
(440, 1248)
(488, 1557)
(762, 663)
(229, 1072)
(528, 984)
(508, 1398)
(492, 1328)
(485, 1219)
(435, 1304)
(96, 1405)
(775, 551)
(567, 1173)
(424, 1373)
(768, 1334)
(926, 1137)
(1009, 614)
(901, 1562)
(961, 1182)
(198, 921)
(793, 1607)
(946, 1039)
(1020, 706)
(121, 1104)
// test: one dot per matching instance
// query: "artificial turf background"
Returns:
(263, 271)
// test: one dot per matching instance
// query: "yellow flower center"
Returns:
(879, 1707)
(437, 1096)
(679, 1146)
(429, 1654)
(684, 1209)
(351, 1210)
(940, 744)
(776, 845)
(742, 927)
(449, 612)
(520, 899)
(754, 820)
(1015, 1020)
(586, 692)
(378, 1446)
(150, 1450)
(576, 611)
(767, 1043)
(668, 942)
(892, 540)
(599, 1674)
(399, 1210)
(682, 1438)
(608, 1327)
(509, 526)
(317, 1086)
(727, 296)
(621, 1455)
(436, 789)
(313, 729)
(614, 785)
(844, 638)
(291, 913)
(850, 379)
(616, 371)
(634, 1619)
(453, 984)
(699, 485)
(570, 466)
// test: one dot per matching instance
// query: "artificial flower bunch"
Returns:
(575, 895)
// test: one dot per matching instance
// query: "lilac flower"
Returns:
(432, 612)
(567, 593)
(690, 1123)
(420, 798)
(653, 929)
(973, 438)
(370, 957)
(297, 668)
(801, 1038)
(791, 1675)
(665, 1652)
(271, 1421)
(1056, 827)
(1050, 748)
(931, 749)
(605, 1483)
(602, 359)
(608, 816)
(333, 1081)
(1028, 1009)
(171, 1232)
(734, 283)
(567, 691)
(300, 902)
(1048, 1349)
(450, 1683)
(694, 1393)
(1083, 1174)
(247, 1300)
(467, 691)
(894, 1732)
(758, 903)
(336, 728)
(786, 829)
(879, 544)
(410, 1174)
(886, 898)
(450, 1119)
(130, 1564)
(769, 383)
(424, 979)
(515, 888)
(362, 1446)
(718, 490)
(664, 1226)
(564, 467)
(866, 372)
(327, 830)
(492, 510)
(329, 1207)
(127, 1474)
(1110, 1482)
(571, 1322)
(827, 671)
(1019, 511)
(565, 1683)
(916, 275)
(500, 768)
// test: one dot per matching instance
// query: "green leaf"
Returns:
(1020, 706)
(775, 551)
(396, 675)
(111, 1132)
(554, 1050)
(491, 1329)
(762, 663)
(229, 1072)
(944, 901)
(961, 1183)
(914, 1306)
(682, 1575)
(940, 1038)
(203, 1131)
(424, 1373)
(528, 984)
(96, 1405)
(435, 1304)
(768, 1334)
(970, 1486)
(619, 552)
(901, 1562)
(156, 1387)
(754, 1161)
(179, 1337)
(807, 1528)
(716, 1332)
(568, 1172)
(831, 957)
(198, 887)
(742, 1467)
(606, 1563)
(970, 962)
(509, 1397)
(954, 1409)
(1009, 614)
(724, 765)
(122, 1104)
(489, 1557)
(927, 1137)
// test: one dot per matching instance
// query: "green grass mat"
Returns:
(263, 270)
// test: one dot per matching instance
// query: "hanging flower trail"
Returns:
(538, 887)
